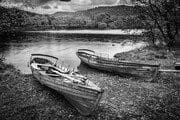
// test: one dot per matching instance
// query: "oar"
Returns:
(169, 70)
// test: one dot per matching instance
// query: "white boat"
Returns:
(83, 94)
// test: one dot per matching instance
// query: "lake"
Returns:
(18, 48)
(97, 32)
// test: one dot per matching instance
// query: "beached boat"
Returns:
(95, 60)
(83, 94)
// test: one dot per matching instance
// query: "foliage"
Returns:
(102, 25)
(164, 17)
(117, 17)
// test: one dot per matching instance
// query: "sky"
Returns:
(52, 6)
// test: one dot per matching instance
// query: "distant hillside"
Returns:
(121, 10)
(13, 19)
(105, 17)
(116, 17)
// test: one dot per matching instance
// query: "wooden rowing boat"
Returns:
(83, 94)
(94, 60)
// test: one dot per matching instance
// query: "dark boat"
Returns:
(94, 60)
(83, 94)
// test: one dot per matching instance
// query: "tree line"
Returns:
(162, 18)
(14, 19)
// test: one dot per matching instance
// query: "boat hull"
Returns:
(109, 67)
(115, 66)
(85, 100)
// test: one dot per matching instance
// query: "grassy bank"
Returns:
(126, 97)
(149, 54)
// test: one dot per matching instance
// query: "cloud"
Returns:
(124, 2)
(51, 6)
(105, 2)
(56, 6)
(82, 2)
(41, 10)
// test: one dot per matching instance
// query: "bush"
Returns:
(102, 25)
(2, 58)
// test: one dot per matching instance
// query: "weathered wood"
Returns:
(169, 70)
(113, 64)
(81, 92)
(114, 61)
(44, 55)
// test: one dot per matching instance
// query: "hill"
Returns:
(115, 17)
(13, 19)
(121, 10)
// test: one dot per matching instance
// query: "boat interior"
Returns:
(48, 67)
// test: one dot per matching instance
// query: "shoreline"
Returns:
(126, 97)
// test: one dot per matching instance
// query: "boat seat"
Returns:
(59, 70)
(42, 67)
(35, 66)
(49, 71)
(48, 68)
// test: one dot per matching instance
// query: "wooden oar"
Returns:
(169, 70)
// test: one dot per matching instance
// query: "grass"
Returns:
(126, 97)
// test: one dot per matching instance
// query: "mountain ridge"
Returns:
(116, 17)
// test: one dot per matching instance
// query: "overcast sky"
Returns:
(52, 6)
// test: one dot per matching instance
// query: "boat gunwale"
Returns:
(83, 50)
(44, 55)
(88, 56)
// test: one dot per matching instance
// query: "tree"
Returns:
(102, 25)
(163, 13)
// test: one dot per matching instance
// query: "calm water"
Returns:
(98, 32)
(18, 49)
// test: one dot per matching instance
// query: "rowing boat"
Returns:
(95, 60)
(83, 94)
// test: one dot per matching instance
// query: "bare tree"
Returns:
(163, 13)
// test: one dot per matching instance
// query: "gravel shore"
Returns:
(126, 97)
